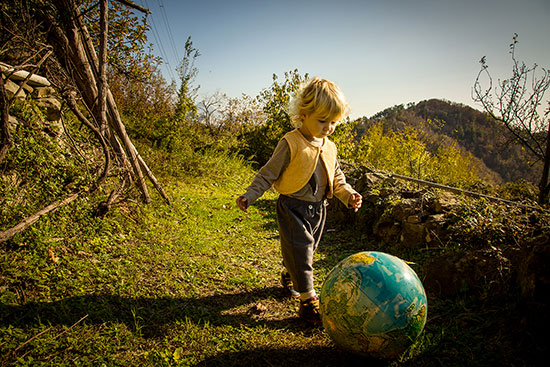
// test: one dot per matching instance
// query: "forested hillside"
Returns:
(498, 157)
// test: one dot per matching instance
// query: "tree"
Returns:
(185, 106)
(127, 44)
(53, 38)
(261, 140)
(243, 113)
(210, 110)
(516, 103)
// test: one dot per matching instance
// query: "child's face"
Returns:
(314, 127)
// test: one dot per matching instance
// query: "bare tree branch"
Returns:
(102, 80)
(72, 105)
(5, 138)
(30, 220)
(517, 108)
(134, 6)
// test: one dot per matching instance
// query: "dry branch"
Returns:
(69, 39)
(103, 65)
(4, 121)
(27, 222)
(84, 120)
(134, 6)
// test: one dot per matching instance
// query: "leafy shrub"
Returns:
(405, 153)
(260, 141)
(40, 167)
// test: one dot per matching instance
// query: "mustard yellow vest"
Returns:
(303, 160)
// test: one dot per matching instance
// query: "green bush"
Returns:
(405, 153)
(41, 167)
(260, 141)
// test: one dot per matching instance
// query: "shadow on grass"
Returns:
(268, 208)
(151, 315)
(310, 356)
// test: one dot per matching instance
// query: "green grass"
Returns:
(193, 283)
(185, 283)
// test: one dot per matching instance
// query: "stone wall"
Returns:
(37, 88)
(393, 213)
(463, 247)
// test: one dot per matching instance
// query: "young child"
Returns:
(304, 170)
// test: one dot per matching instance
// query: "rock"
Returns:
(405, 208)
(12, 88)
(34, 80)
(12, 120)
(474, 272)
(413, 234)
(27, 88)
(443, 203)
(44, 92)
(51, 107)
(534, 272)
(435, 228)
(387, 229)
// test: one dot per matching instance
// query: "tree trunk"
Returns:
(4, 121)
(103, 66)
(544, 186)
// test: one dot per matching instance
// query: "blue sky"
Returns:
(380, 52)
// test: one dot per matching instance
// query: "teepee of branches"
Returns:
(87, 94)
(73, 46)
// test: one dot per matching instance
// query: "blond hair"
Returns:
(318, 96)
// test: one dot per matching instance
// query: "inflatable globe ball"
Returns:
(373, 303)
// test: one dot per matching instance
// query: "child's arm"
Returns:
(344, 192)
(265, 177)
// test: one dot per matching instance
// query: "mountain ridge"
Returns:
(495, 154)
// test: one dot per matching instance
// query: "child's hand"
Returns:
(355, 201)
(242, 203)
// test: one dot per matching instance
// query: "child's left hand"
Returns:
(355, 201)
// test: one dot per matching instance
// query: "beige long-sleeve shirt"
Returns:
(314, 190)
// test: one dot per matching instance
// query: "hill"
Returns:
(496, 156)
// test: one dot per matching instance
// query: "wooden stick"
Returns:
(134, 6)
(114, 121)
(70, 327)
(5, 137)
(30, 220)
(103, 65)
(31, 339)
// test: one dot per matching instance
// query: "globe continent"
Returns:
(374, 304)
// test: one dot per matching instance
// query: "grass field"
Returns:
(192, 283)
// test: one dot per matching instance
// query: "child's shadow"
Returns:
(150, 316)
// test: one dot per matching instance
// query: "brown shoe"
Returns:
(309, 311)
(288, 287)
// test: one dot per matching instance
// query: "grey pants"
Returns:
(301, 225)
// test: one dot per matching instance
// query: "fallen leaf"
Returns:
(258, 308)
(51, 255)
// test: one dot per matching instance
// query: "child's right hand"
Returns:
(242, 203)
(355, 201)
